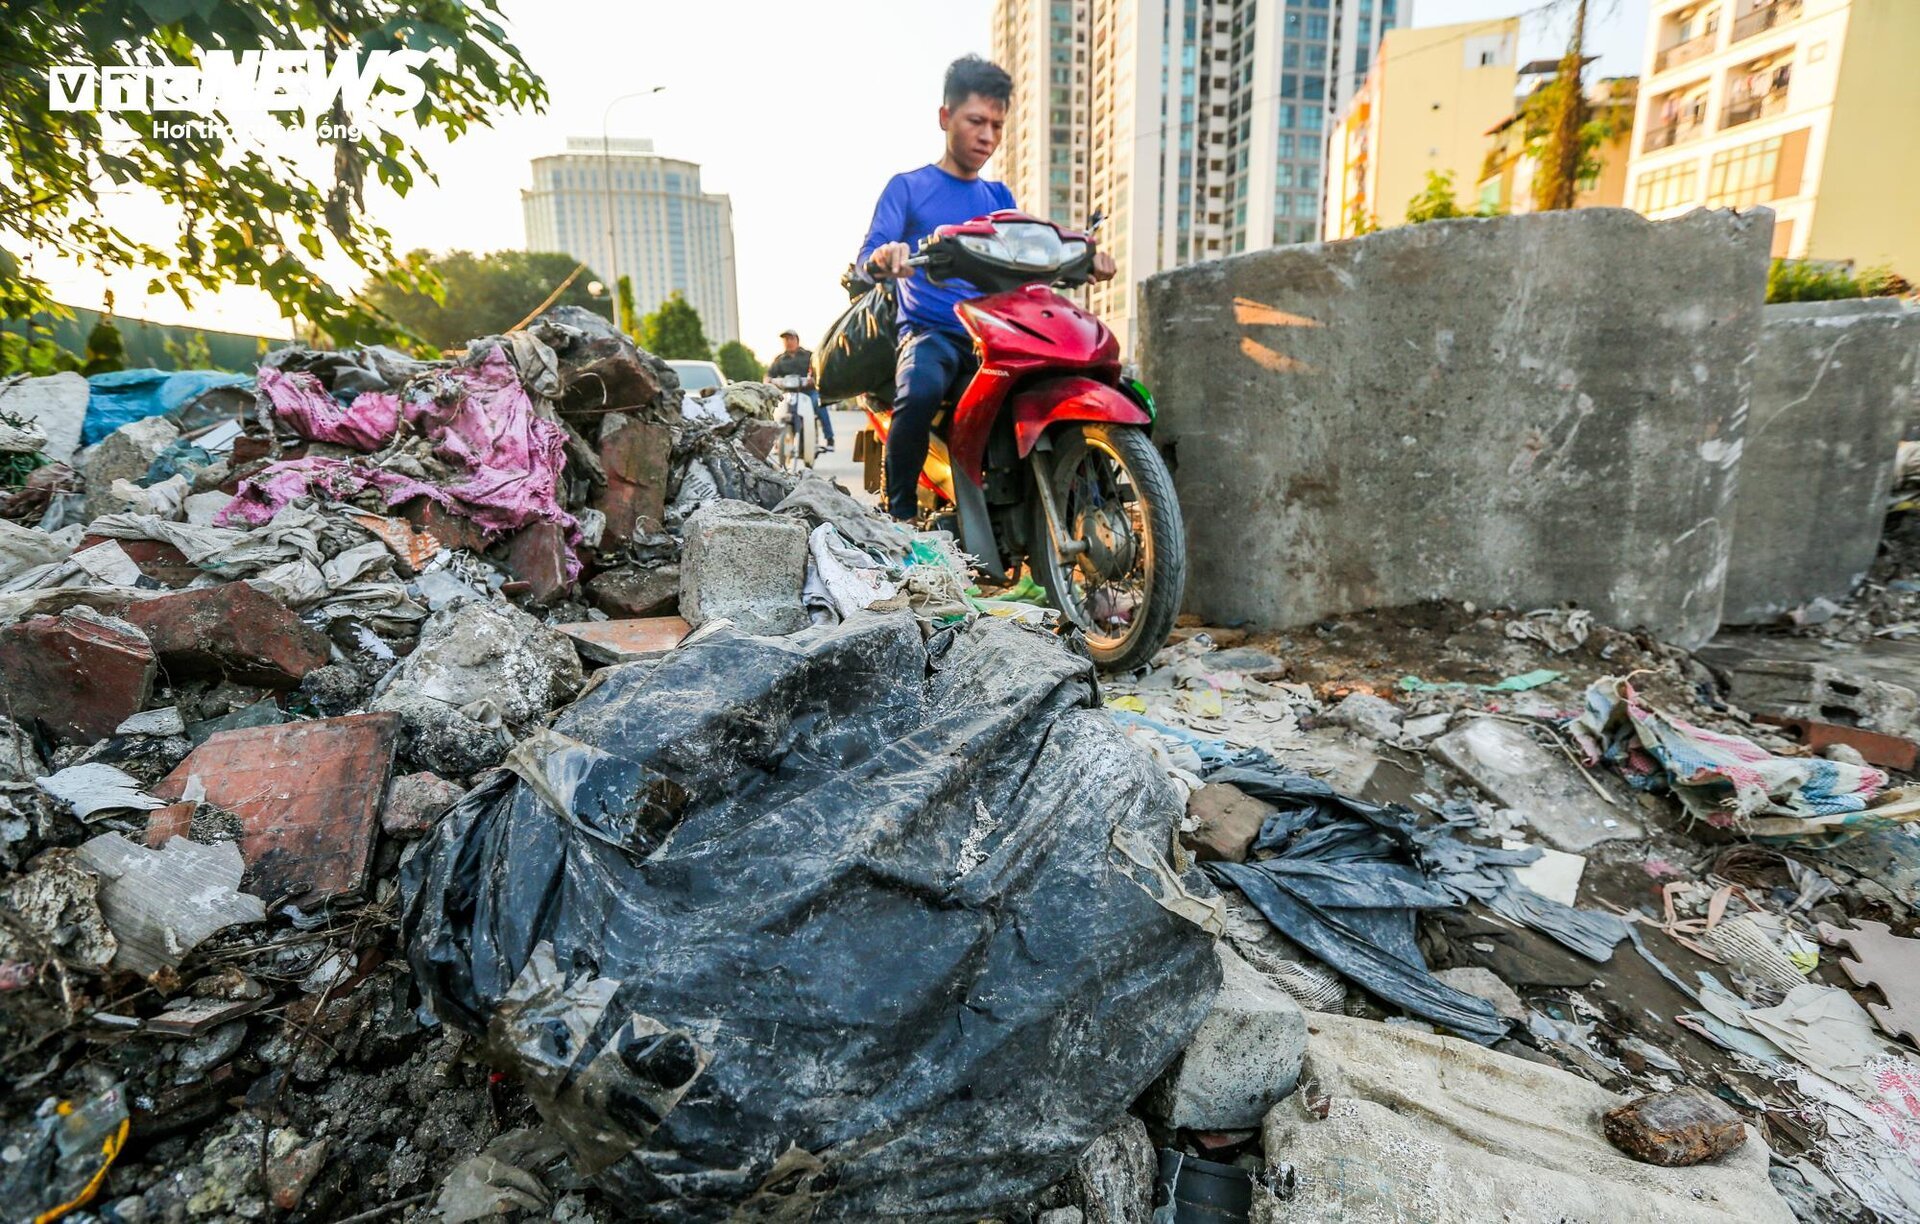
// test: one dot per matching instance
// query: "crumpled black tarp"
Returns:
(845, 925)
(1346, 879)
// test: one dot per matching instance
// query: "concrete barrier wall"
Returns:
(1521, 411)
(1832, 394)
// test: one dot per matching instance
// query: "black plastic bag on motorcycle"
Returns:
(857, 357)
(846, 925)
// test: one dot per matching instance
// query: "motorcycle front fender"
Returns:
(1042, 406)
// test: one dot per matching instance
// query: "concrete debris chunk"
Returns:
(1543, 786)
(57, 404)
(481, 672)
(55, 908)
(414, 802)
(745, 564)
(80, 673)
(1113, 1181)
(307, 795)
(1373, 717)
(160, 904)
(124, 454)
(636, 591)
(1486, 984)
(1226, 821)
(163, 721)
(1245, 1056)
(1674, 1129)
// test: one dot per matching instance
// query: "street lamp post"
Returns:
(606, 181)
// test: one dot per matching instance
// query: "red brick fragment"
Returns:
(80, 674)
(234, 630)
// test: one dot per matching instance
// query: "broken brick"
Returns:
(80, 673)
(307, 794)
(1682, 1127)
(1226, 821)
(625, 641)
(632, 591)
(157, 559)
(452, 530)
(537, 555)
(635, 456)
(235, 629)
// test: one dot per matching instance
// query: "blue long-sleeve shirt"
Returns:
(913, 205)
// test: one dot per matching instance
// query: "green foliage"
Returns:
(483, 295)
(246, 217)
(1362, 222)
(1801, 280)
(106, 351)
(675, 332)
(1436, 201)
(1541, 117)
(37, 358)
(624, 299)
(738, 363)
(193, 354)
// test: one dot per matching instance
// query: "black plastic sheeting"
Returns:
(846, 925)
(1346, 879)
(857, 355)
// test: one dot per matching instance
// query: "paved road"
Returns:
(840, 465)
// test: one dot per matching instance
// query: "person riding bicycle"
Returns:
(934, 348)
(796, 360)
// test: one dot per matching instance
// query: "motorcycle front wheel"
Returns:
(1124, 577)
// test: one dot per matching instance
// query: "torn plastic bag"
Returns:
(845, 925)
(857, 356)
(1345, 879)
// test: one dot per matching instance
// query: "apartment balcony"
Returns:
(1749, 109)
(1666, 135)
(1686, 52)
(1766, 17)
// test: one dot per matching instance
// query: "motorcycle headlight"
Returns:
(991, 248)
(1032, 246)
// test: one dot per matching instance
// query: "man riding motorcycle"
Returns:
(935, 348)
(794, 360)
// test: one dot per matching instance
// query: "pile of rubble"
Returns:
(447, 790)
(252, 649)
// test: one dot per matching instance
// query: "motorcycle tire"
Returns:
(1163, 541)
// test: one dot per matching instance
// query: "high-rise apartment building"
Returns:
(1805, 106)
(1197, 127)
(1426, 108)
(666, 233)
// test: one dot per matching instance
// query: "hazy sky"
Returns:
(799, 111)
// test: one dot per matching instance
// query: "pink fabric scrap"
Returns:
(480, 422)
(303, 403)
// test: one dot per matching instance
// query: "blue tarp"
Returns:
(133, 395)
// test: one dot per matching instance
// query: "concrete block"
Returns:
(1244, 1057)
(1225, 822)
(124, 454)
(634, 590)
(1833, 387)
(745, 564)
(1543, 786)
(1520, 411)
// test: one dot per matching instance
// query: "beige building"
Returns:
(1506, 179)
(1426, 107)
(1810, 107)
(666, 233)
(1197, 127)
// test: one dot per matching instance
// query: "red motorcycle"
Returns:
(1044, 454)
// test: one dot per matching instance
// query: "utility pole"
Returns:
(606, 178)
(1571, 118)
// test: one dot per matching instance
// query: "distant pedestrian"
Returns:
(796, 360)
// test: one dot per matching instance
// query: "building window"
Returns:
(1743, 177)
(1317, 27)
(1666, 188)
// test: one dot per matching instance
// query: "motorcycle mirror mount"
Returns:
(1094, 222)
